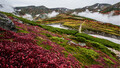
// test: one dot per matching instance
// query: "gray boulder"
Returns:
(6, 23)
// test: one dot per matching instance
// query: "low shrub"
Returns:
(80, 39)
(83, 54)
(102, 41)
(108, 61)
(65, 53)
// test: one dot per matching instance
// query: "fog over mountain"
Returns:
(71, 4)
(107, 18)
(5, 6)
(53, 14)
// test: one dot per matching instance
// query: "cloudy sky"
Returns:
(58, 3)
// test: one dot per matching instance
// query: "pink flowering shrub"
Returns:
(15, 54)
(20, 50)
(23, 52)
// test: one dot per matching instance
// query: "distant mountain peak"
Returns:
(115, 8)
(31, 6)
(93, 8)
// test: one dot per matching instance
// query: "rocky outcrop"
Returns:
(115, 8)
(6, 23)
(116, 52)
(93, 8)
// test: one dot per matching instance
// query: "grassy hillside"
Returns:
(35, 45)
(74, 22)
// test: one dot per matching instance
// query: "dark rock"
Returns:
(6, 23)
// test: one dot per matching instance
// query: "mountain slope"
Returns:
(35, 45)
(42, 12)
(34, 10)
(93, 8)
(115, 8)
(90, 27)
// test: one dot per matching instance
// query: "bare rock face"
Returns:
(6, 23)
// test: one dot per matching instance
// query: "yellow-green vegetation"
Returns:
(0, 18)
(48, 35)
(74, 22)
(50, 38)
(22, 31)
(80, 39)
(39, 42)
(97, 26)
(102, 41)
(65, 53)
(108, 61)
(82, 54)
(59, 41)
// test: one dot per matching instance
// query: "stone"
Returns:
(6, 23)
(82, 44)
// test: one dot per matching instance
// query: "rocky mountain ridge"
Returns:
(115, 8)
(6, 23)
(93, 8)
(34, 10)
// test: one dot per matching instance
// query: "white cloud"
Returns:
(108, 18)
(28, 16)
(60, 3)
(5, 6)
(53, 14)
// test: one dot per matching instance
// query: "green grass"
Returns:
(59, 41)
(22, 31)
(70, 32)
(82, 54)
(80, 39)
(48, 35)
(108, 61)
(39, 42)
(102, 41)
(65, 53)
